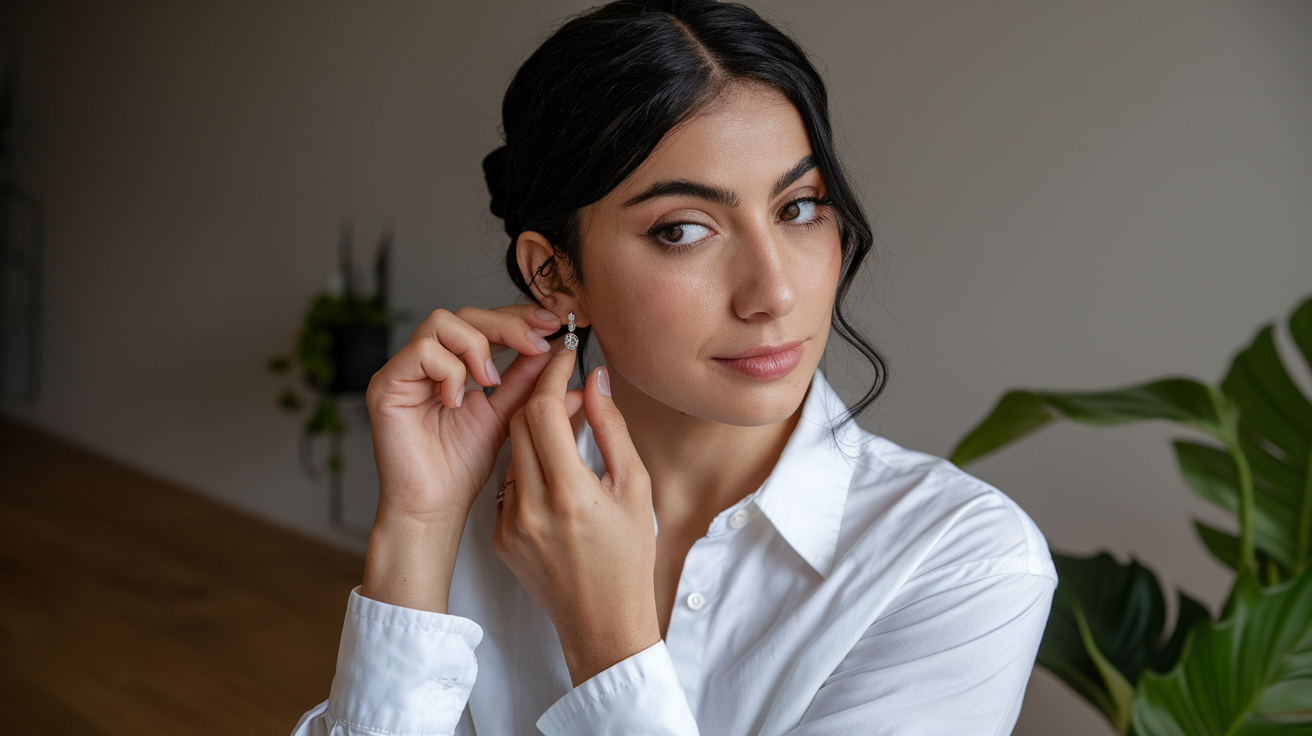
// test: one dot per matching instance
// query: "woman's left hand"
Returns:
(583, 547)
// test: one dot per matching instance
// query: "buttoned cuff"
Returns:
(638, 695)
(401, 671)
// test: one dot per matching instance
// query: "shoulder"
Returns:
(922, 508)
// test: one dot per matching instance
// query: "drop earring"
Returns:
(571, 340)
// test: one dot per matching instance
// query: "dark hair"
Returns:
(595, 99)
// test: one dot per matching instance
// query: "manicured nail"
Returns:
(492, 372)
(603, 381)
(546, 315)
(460, 398)
(543, 345)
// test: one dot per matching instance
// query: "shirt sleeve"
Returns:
(639, 696)
(399, 671)
(952, 655)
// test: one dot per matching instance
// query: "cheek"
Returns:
(645, 310)
(815, 270)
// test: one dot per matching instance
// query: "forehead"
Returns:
(743, 141)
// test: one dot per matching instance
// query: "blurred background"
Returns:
(1067, 195)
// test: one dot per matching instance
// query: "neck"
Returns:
(698, 467)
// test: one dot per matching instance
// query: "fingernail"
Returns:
(546, 315)
(460, 399)
(603, 381)
(492, 372)
(543, 345)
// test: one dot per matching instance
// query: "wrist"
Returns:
(590, 653)
(411, 557)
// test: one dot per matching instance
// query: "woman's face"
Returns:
(709, 273)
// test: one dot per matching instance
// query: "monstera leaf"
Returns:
(1181, 400)
(1275, 435)
(1275, 432)
(1106, 626)
(1184, 401)
(1262, 472)
(1249, 675)
(1210, 471)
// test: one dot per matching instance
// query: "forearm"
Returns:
(410, 559)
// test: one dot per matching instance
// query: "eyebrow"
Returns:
(718, 195)
(806, 164)
(685, 188)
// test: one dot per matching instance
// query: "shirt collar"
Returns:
(805, 495)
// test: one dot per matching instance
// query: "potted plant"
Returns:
(1250, 670)
(341, 344)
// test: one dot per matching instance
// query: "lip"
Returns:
(765, 362)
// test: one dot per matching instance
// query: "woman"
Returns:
(699, 539)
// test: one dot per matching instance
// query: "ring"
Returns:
(501, 492)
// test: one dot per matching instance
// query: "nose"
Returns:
(764, 287)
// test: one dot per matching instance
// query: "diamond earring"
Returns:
(571, 340)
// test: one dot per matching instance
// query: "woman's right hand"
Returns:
(435, 444)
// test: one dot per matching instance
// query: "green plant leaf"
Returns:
(1223, 546)
(1210, 471)
(325, 419)
(1017, 414)
(1249, 674)
(1181, 400)
(1303, 556)
(1119, 691)
(1275, 475)
(289, 401)
(1270, 403)
(1275, 434)
(1105, 614)
(1300, 328)
(279, 364)
(1189, 613)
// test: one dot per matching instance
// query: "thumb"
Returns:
(609, 428)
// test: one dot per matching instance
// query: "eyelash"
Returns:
(822, 209)
(822, 216)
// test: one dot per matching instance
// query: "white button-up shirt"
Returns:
(862, 589)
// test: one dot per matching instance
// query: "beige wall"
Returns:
(1069, 195)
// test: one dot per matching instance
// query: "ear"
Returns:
(549, 277)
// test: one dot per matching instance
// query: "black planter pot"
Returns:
(358, 353)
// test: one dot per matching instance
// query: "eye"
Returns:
(800, 211)
(682, 234)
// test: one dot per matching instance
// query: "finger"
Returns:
(427, 360)
(526, 469)
(549, 422)
(609, 429)
(523, 327)
(465, 342)
(573, 402)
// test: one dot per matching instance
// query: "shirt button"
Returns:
(738, 520)
(696, 601)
